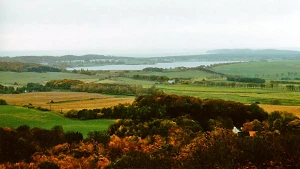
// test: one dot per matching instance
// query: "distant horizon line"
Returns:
(123, 53)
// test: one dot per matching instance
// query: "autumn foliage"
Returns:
(164, 131)
(116, 89)
(164, 106)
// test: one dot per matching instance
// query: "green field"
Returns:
(9, 78)
(175, 73)
(244, 95)
(11, 116)
(266, 70)
(129, 81)
(116, 77)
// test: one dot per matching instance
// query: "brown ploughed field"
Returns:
(65, 101)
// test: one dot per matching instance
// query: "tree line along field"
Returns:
(14, 116)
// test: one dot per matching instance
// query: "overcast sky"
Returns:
(125, 27)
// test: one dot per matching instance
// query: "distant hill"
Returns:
(211, 55)
(241, 55)
(50, 59)
(77, 61)
(26, 67)
(252, 51)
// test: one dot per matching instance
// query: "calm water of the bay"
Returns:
(158, 65)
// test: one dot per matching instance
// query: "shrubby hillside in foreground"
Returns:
(163, 131)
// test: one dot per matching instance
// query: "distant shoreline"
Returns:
(158, 65)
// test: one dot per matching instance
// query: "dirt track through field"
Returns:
(65, 101)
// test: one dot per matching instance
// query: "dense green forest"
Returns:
(164, 131)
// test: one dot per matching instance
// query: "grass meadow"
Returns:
(175, 73)
(270, 100)
(22, 78)
(12, 116)
(266, 70)
(124, 80)
(112, 77)
(244, 95)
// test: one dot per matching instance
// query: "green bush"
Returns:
(276, 102)
(2, 102)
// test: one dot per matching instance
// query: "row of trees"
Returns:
(235, 84)
(80, 86)
(35, 87)
(245, 79)
(151, 77)
(284, 82)
(63, 84)
(30, 87)
(7, 89)
(292, 88)
(271, 85)
(153, 69)
(116, 89)
(84, 72)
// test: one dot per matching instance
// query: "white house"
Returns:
(171, 81)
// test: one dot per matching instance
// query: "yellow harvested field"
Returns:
(65, 101)
(291, 109)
